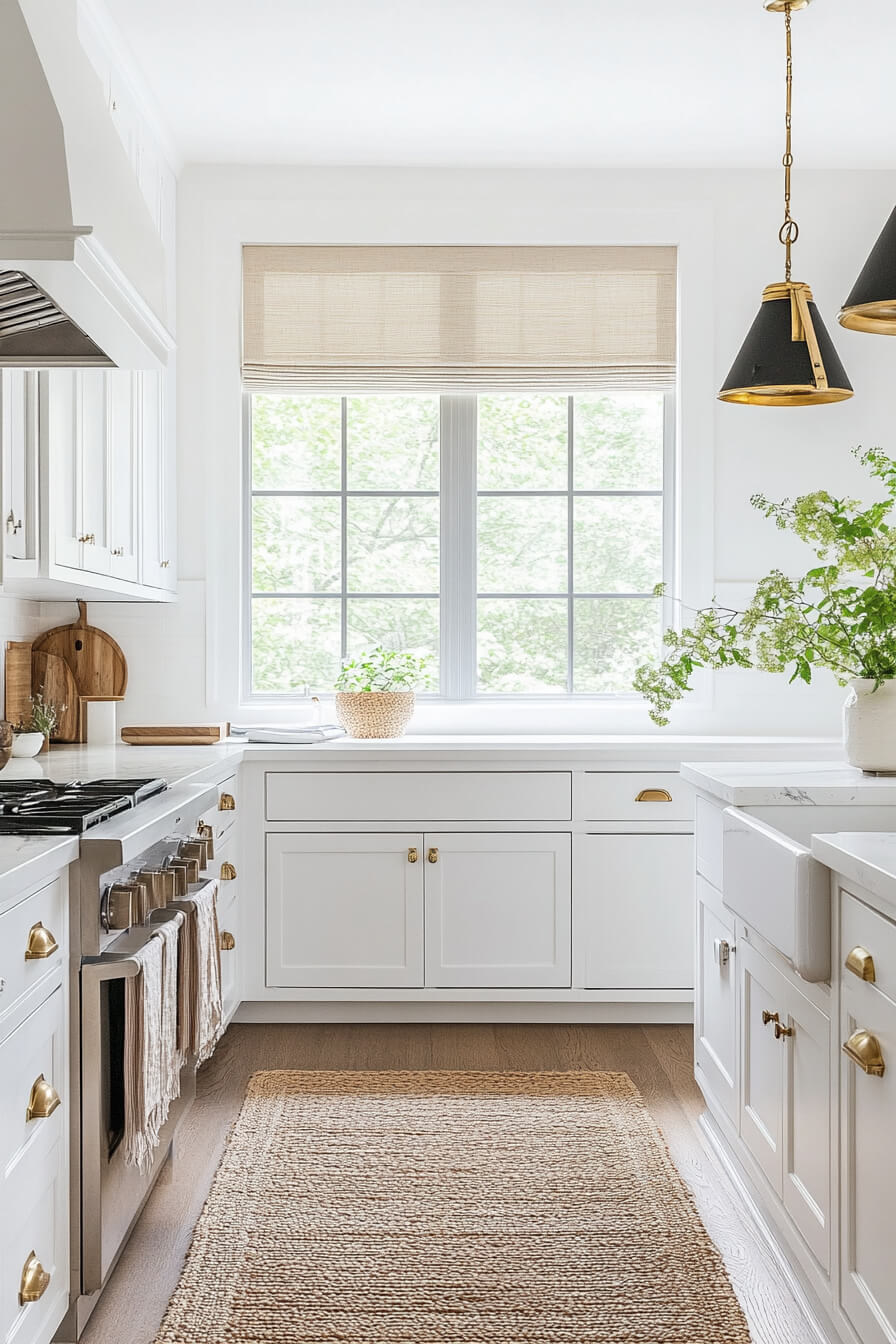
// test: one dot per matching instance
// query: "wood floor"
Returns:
(658, 1059)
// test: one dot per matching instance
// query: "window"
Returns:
(514, 538)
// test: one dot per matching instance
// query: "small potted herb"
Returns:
(375, 691)
(32, 735)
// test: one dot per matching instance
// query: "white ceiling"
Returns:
(515, 81)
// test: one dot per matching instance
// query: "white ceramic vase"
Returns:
(869, 725)
(27, 744)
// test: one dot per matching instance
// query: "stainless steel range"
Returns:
(144, 850)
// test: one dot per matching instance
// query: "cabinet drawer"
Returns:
(19, 933)
(39, 1195)
(419, 796)
(863, 930)
(34, 1051)
(630, 796)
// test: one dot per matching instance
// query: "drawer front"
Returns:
(630, 796)
(39, 1196)
(32, 1067)
(419, 796)
(863, 930)
(709, 830)
(32, 925)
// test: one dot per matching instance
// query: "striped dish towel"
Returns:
(201, 1009)
(152, 1060)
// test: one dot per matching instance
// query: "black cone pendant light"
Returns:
(872, 304)
(788, 358)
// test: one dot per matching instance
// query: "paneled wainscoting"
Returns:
(658, 1058)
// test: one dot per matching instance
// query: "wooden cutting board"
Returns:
(18, 681)
(175, 735)
(52, 678)
(96, 662)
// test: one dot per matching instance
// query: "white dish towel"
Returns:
(152, 1059)
(201, 1004)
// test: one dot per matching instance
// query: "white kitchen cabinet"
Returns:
(785, 1107)
(18, 437)
(635, 911)
(158, 535)
(345, 910)
(716, 1000)
(868, 1173)
(123, 462)
(498, 910)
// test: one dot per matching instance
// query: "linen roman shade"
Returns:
(465, 319)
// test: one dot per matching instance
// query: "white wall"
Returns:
(726, 224)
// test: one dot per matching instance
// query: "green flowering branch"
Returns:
(840, 615)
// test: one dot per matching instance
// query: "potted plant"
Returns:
(840, 616)
(375, 691)
(32, 734)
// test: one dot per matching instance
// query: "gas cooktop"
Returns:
(40, 807)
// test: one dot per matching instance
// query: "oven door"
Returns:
(112, 1194)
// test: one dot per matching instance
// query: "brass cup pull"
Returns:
(42, 1101)
(653, 796)
(861, 963)
(864, 1049)
(227, 803)
(781, 1032)
(432, 855)
(41, 943)
(769, 1017)
(227, 941)
(413, 855)
(34, 1282)
(228, 872)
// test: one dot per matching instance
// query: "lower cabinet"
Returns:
(715, 999)
(635, 911)
(868, 1172)
(785, 1105)
(349, 910)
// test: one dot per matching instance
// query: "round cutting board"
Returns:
(96, 662)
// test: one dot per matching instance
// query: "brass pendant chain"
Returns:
(789, 230)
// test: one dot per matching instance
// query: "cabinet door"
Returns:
(715, 999)
(19, 437)
(158, 510)
(807, 1120)
(93, 463)
(60, 416)
(498, 910)
(345, 910)
(122, 428)
(868, 1172)
(635, 911)
(762, 1063)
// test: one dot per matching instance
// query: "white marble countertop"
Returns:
(25, 860)
(800, 783)
(174, 764)
(867, 858)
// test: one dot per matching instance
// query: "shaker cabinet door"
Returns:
(715, 999)
(762, 1063)
(345, 910)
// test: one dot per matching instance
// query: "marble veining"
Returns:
(789, 783)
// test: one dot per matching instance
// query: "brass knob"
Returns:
(413, 856)
(118, 550)
(653, 796)
(432, 855)
(228, 872)
(41, 943)
(88, 539)
(35, 1281)
(227, 803)
(42, 1101)
(781, 1032)
(163, 564)
(864, 1049)
(227, 941)
(861, 963)
(769, 1017)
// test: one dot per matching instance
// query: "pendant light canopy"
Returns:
(788, 358)
(871, 305)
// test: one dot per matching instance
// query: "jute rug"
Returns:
(405, 1208)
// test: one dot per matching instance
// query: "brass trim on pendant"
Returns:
(782, 6)
(781, 395)
(879, 318)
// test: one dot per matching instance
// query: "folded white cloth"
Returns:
(201, 1008)
(152, 1060)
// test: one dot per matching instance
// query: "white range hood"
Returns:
(82, 274)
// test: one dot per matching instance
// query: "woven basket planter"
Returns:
(374, 713)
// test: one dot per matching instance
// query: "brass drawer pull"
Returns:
(654, 796)
(413, 855)
(861, 963)
(42, 1101)
(781, 1032)
(227, 803)
(228, 872)
(88, 539)
(41, 943)
(34, 1282)
(864, 1049)
(769, 1017)
(432, 855)
(227, 941)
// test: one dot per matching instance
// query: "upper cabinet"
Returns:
(88, 484)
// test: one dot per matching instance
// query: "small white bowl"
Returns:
(27, 744)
